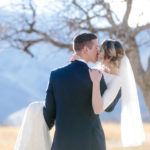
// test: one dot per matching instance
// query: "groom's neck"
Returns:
(85, 59)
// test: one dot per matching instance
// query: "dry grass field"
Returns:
(8, 137)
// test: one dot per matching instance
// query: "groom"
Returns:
(69, 101)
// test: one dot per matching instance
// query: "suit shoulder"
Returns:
(60, 69)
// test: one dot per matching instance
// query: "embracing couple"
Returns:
(77, 94)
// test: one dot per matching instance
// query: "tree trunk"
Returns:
(146, 95)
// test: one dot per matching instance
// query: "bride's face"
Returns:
(101, 57)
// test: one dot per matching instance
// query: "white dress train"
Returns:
(34, 133)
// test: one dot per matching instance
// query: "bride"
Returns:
(117, 72)
(115, 66)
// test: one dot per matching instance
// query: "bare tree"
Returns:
(76, 16)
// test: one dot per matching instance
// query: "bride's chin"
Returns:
(100, 60)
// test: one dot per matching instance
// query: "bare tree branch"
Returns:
(33, 11)
(88, 20)
(127, 13)
(141, 28)
(78, 6)
(54, 42)
(109, 14)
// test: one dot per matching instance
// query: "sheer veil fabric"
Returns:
(132, 131)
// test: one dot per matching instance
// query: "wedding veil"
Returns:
(132, 132)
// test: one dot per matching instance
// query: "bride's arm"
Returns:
(100, 103)
(111, 94)
(97, 102)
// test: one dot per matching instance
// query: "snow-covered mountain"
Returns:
(24, 79)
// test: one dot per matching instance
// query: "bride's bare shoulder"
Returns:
(99, 67)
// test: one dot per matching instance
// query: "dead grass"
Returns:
(8, 137)
(113, 137)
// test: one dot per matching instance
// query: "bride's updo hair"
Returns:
(112, 50)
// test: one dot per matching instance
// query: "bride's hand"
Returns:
(74, 57)
(95, 75)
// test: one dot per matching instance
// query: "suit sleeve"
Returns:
(112, 95)
(49, 110)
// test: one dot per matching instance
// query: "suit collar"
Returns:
(81, 63)
(82, 60)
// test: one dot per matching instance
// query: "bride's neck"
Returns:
(112, 69)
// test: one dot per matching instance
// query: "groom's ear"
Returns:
(85, 50)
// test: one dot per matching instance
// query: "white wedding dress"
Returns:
(34, 133)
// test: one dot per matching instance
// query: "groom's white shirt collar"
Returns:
(82, 60)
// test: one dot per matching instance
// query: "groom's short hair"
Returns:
(81, 40)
